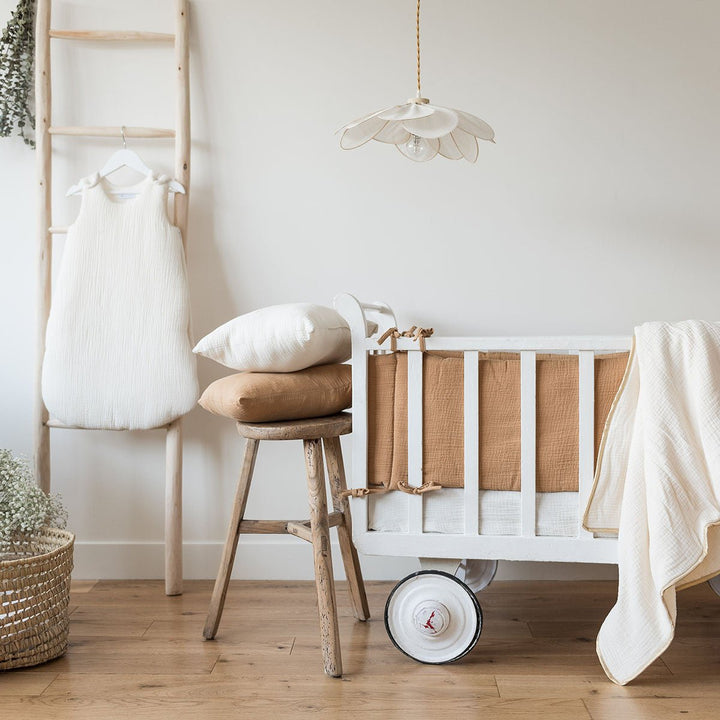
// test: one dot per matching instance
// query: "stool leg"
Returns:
(320, 530)
(336, 475)
(223, 578)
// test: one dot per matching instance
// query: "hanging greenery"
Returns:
(17, 49)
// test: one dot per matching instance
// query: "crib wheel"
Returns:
(714, 584)
(477, 574)
(433, 617)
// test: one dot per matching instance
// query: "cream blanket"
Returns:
(658, 483)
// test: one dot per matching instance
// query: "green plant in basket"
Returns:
(24, 507)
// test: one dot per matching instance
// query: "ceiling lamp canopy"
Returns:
(418, 129)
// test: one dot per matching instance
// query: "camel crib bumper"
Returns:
(509, 426)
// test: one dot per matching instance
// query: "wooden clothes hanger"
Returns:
(129, 159)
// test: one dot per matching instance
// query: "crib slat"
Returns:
(586, 433)
(415, 439)
(471, 437)
(359, 478)
(527, 441)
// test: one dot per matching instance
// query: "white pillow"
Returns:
(281, 338)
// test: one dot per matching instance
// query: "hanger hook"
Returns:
(122, 132)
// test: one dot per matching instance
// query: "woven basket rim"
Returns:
(65, 537)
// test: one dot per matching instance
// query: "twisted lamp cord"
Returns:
(417, 35)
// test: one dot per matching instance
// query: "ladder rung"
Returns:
(130, 132)
(51, 423)
(114, 35)
(58, 230)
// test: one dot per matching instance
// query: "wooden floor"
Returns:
(136, 653)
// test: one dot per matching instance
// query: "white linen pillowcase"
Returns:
(279, 338)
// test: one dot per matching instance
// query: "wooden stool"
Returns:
(316, 530)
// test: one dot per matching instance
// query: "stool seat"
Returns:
(309, 429)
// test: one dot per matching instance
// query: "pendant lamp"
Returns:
(419, 130)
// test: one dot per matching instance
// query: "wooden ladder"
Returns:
(45, 131)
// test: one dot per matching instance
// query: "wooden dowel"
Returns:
(112, 131)
(43, 159)
(182, 117)
(58, 229)
(113, 35)
(173, 509)
(173, 521)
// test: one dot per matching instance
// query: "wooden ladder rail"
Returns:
(46, 230)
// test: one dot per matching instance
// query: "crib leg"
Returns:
(336, 475)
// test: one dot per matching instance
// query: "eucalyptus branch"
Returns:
(17, 50)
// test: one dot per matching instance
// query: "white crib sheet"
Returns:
(443, 512)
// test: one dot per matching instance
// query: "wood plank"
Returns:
(98, 657)
(82, 586)
(288, 701)
(25, 683)
(579, 687)
(86, 622)
(652, 708)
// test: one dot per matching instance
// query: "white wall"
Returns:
(596, 209)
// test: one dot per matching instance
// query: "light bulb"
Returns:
(419, 148)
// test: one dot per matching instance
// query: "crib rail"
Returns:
(527, 545)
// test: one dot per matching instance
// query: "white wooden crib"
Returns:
(434, 616)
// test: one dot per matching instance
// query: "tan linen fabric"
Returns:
(499, 419)
(272, 397)
(381, 434)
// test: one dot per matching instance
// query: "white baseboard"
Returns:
(282, 558)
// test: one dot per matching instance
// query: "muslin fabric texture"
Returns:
(279, 338)
(658, 482)
(118, 353)
(499, 418)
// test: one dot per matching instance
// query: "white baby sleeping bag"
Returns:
(118, 353)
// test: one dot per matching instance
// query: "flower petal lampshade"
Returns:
(418, 129)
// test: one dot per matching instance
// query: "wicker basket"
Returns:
(34, 598)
